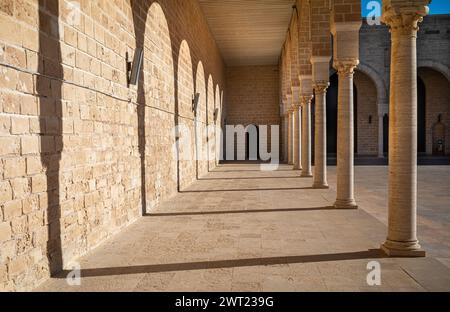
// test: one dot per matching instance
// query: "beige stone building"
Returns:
(124, 179)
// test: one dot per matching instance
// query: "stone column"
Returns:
(320, 146)
(380, 136)
(296, 128)
(345, 136)
(346, 58)
(403, 18)
(290, 130)
(296, 139)
(320, 82)
(306, 136)
(286, 120)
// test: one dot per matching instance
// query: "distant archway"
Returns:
(252, 150)
(421, 117)
(433, 109)
(332, 114)
(366, 114)
(439, 141)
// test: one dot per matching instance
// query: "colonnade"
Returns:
(403, 18)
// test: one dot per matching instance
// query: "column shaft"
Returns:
(296, 151)
(290, 148)
(402, 223)
(381, 136)
(306, 137)
(286, 137)
(320, 145)
(345, 141)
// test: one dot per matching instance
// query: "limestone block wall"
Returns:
(433, 42)
(253, 96)
(82, 155)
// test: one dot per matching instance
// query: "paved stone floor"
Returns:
(240, 229)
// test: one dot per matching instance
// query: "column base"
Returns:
(323, 186)
(306, 175)
(345, 204)
(296, 167)
(403, 249)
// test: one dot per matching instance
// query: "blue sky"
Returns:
(436, 6)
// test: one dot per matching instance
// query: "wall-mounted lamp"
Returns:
(134, 68)
(216, 114)
(195, 101)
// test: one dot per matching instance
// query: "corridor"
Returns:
(242, 229)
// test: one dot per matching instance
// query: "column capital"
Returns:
(346, 67)
(404, 16)
(306, 99)
(321, 86)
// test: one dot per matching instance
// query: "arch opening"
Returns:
(433, 118)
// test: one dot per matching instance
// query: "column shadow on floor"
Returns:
(250, 190)
(199, 213)
(247, 170)
(223, 264)
(249, 178)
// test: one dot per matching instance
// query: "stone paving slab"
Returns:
(240, 229)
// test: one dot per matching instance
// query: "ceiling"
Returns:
(249, 32)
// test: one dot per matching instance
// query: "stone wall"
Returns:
(252, 96)
(83, 155)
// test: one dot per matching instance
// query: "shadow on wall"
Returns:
(140, 15)
(139, 31)
(49, 91)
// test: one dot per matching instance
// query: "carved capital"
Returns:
(321, 87)
(306, 100)
(346, 67)
(404, 20)
(295, 107)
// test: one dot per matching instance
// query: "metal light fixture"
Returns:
(134, 68)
